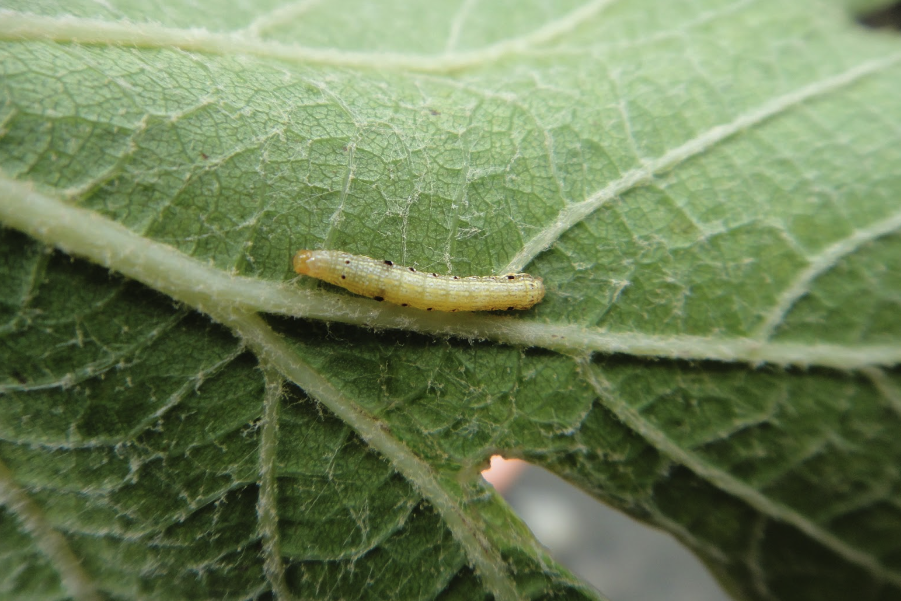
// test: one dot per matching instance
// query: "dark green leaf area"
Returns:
(799, 464)
(444, 397)
(130, 423)
(67, 320)
(465, 586)
(416, 562)
(797, 567)
(214, 551)
(393, 569)
(25, 572)
(340, 504)
(538, 582)
(337, 498)
(90, 358)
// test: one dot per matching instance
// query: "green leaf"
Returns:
(710, 190)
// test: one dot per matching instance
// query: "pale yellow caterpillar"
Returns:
(404, 286)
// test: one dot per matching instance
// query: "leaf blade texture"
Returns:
(709, 190)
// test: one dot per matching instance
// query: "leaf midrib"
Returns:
(84, 233)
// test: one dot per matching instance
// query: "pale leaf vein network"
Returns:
(820, 264)
(575, 213)
(277, 353)
(729, 483)
(232, 300)
(18, 26)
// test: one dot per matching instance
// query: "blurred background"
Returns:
(622, 558)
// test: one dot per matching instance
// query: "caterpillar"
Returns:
(404, 286)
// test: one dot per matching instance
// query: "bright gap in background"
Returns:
(622, 558)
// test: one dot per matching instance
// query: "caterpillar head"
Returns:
(302, 262)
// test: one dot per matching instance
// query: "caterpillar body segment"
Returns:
(405, 286)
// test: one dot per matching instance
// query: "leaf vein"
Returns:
(575, 213)
(730, 484)
(276, 352)
(267, 502)
(820, 264)
(104, 241)
(16, 25)
(49, 540)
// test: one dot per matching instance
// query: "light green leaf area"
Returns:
(709, 188)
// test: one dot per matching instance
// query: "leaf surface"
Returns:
(709, 190)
